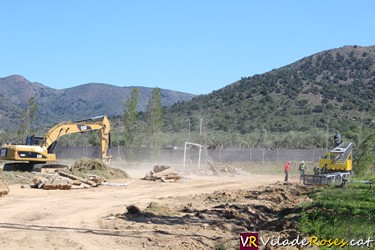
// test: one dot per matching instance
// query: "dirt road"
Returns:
(89, 219)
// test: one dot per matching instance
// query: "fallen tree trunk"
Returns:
(73, 177)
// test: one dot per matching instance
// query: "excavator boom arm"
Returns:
(100, 123)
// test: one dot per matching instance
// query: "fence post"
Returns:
(220, 154)
(277, 154)
(313, 155)
(263, 156)
(251, 151)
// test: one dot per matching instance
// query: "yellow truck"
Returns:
(339, 159)
(335, 166)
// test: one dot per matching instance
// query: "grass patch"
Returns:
(347, 213)
(17, 177)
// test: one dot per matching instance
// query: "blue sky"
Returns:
(189, 46)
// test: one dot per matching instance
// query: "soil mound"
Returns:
(273, 210)
(97, 167)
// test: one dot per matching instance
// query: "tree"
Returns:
(364, 160)
(155, 121)
(27, 117)
(130, 117)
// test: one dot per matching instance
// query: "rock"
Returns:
(4, 190)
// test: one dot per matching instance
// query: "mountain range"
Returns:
(333, 88)
(76, 103)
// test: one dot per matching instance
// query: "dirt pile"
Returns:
(96, 167)
(215, 220)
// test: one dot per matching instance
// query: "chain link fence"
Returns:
(176, 155)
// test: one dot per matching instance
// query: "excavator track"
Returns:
(29, 167)
(18, 166)
(39, 167)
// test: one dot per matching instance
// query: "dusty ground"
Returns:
(193, 213)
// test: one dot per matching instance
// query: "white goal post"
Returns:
(201, 147)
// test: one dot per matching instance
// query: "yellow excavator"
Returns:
(40, 150)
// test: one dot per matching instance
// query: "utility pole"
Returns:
(189, 129)
(327, 136)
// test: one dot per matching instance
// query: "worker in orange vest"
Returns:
(286, 170)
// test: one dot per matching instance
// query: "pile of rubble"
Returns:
(85, 173)
(223, 169)
(213, 169)
(64, 181)
(162, 173)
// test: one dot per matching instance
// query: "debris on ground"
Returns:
(85, 173)
(213, 169)
(82, 180)
(272, 210)
(133, 209)
(105, 183)
(60, 180)
(162, 173)
(4, 190)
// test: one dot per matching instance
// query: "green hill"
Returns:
(334, 89)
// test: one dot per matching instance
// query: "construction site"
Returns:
(190, 212)
(195, 198)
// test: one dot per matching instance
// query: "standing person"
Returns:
(286, 170)
(302, 169)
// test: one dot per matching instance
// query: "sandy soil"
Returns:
(174, 215)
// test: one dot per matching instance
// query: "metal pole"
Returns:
(199, 162)
(118, 146)
(189, 129)
(185, 155)
(327, 136)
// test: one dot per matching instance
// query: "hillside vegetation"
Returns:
(333, 89)
(300, 105)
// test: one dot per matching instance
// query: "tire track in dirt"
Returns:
(60, 219)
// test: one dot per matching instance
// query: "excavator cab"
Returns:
(33, 140)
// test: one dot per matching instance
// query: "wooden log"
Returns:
(97, 179)
(158, 168)
(170, 178)
(73, 177)
(214, 169)
(51, 186)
